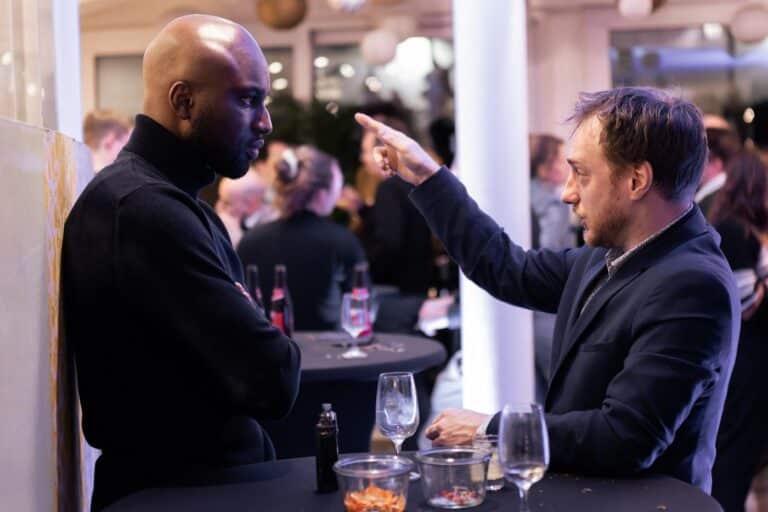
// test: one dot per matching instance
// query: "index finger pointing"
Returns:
(368, 122)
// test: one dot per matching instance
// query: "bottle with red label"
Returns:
(281, 310)
(361, 290)
(253, 286)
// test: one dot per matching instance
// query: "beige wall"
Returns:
(42, 172)
(569, 49)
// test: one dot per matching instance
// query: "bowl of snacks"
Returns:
(453, 478)
(374, 482)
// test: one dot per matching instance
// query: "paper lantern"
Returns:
(281, 14)
(638, 8)
(379, 47)
(750, 24)
(346, 5)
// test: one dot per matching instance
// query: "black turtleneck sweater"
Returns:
(174, 364)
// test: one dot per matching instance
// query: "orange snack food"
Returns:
(374, 499)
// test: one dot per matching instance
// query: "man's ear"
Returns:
(181, 100)
(641, 180)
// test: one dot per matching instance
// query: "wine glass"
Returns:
(355, 320)
(397, 408)
(523, 447)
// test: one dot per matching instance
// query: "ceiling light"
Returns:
(321, 62)
(275, 67)
(280, 84)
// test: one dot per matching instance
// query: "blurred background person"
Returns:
(740, 215)
(551, 228)
(266, 164)
(241, 204)
(319, 255)
(723, 143)
(549, 171)
(105, 133)
(396, 237)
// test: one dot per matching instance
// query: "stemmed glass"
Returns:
(397, 408)
(523, 447)
(355, 312)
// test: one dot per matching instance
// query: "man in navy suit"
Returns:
(647, 312)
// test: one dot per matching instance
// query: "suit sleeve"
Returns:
(682, 346)
(167, 262)
(531, 279)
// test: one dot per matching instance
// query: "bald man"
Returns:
(241, 204)
(175, 365)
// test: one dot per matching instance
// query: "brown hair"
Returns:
(744, 194)
(542, 148)
(100, 123)
(723, 144)
(299, 178)
(642, 124)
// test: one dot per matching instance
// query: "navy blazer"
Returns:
(639, 377)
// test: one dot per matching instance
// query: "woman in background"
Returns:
(740, 215)
(319, 255)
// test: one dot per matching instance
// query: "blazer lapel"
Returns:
(689, 227)
(593, 269)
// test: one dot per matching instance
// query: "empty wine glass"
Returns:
(523, 447)
(355, 314)
(397, 408)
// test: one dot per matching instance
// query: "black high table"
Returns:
(348, 384)
(288, 485)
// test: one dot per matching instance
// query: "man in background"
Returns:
(241, 204)
(105, 133)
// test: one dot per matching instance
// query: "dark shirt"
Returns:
(174, 364)
(743, 435)
(319, 256)
(400, 248)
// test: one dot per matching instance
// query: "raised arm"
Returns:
(533, 279)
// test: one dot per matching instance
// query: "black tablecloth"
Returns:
(386, 353)
(349, 385)
(288, 485)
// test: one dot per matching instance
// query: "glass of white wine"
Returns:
(523, 447)
(397, 408)
(355, 319)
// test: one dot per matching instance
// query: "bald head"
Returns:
(243, 196)
(205, 81)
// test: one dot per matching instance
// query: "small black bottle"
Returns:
(327, 450)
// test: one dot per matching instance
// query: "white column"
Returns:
(492, 136)
(66, 44)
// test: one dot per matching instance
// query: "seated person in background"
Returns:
(647, 313)
(175, 364)
(105, 133)
(319, 254)
(740, 215)
(241, 205)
